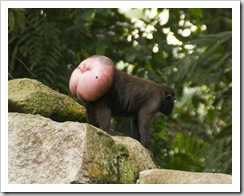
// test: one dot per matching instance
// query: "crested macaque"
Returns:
(108, 92)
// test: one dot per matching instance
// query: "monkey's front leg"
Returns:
(135, 133)
(91, 114)
(144, 120)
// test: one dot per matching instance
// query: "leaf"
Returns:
(84, 53)
(216, 65)
(11, 21)
(88, 14)
(100, 50)
(196, 12)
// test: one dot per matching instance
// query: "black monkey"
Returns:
(126, 96)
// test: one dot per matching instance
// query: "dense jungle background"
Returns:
(188, 49)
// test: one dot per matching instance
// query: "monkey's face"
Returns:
(168, 103)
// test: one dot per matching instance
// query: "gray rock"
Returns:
(43, 151)
(139, 155)
(163, 176)
(33, 97)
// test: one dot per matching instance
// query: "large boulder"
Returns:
(33, 97)
(163, 176)
(41, 150)
(44, 151)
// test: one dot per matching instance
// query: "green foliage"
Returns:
(189, 49)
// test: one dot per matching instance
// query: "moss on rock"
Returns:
(33, 97)
(109, 162)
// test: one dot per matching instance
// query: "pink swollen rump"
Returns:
(91, 79)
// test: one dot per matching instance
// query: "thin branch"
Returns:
(24, 65)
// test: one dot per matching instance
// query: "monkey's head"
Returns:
(168, 102)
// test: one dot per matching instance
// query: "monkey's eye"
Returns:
(173, 99)
(168, 96)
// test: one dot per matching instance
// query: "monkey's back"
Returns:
(128, 94)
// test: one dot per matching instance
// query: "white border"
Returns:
(234, 187)
(119, 4)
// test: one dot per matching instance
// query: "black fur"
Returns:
(132, 97)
